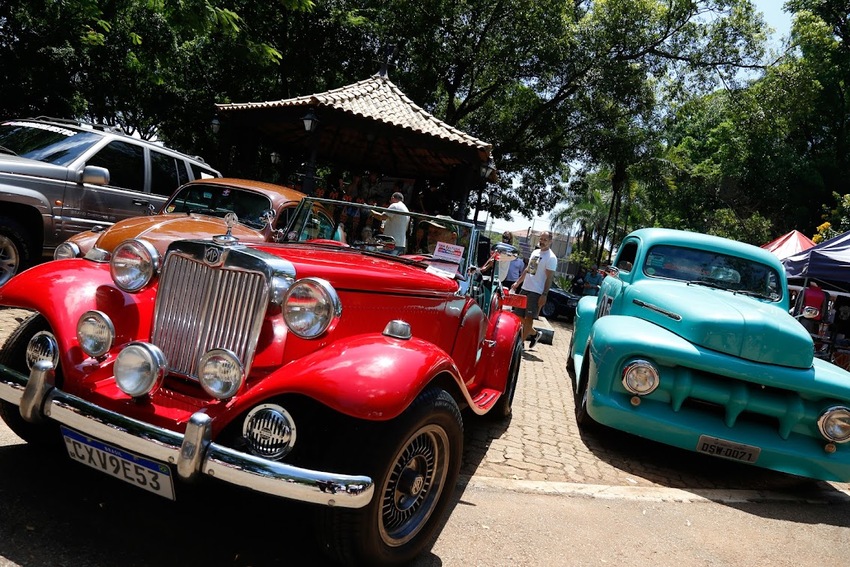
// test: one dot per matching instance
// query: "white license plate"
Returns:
(727, 449)
(147, 474)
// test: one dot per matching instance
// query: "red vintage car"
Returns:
(324, 369)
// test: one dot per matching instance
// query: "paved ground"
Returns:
(542, 446)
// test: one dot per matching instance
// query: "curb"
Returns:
(653, 493)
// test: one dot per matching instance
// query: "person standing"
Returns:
(396, 225)
(515, 268)
(534, 282)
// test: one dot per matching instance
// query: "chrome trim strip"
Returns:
(192, 453)
(650, 306)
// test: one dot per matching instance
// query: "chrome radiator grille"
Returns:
(201, 307)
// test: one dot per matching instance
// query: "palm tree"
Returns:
(587, 205)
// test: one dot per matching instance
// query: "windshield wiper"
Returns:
(758, 294)
(6, 150)
(707, 284)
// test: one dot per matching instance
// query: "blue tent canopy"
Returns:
(828, 263)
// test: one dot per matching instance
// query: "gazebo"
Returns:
(369, 124)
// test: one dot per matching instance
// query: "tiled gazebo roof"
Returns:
(376, 98)
(369, 124)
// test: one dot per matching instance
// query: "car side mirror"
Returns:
(506, 251)
(809, 313)
(94, 175)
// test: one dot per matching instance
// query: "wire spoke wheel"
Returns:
(414, 460)
(413, 487)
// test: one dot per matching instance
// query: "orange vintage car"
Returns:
(196, 210)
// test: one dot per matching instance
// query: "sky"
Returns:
(774, 16)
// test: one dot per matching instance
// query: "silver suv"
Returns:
(61, 177)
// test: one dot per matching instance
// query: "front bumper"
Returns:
(192, 453)
(798, 455)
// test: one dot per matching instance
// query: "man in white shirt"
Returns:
(396, 225)
(535, 281)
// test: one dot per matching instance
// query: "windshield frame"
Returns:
(256, 220)
(468, 234)
(714, 269)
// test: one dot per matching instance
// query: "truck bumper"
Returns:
(800, 455)
(192, 452)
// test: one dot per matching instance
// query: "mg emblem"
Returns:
(418, 483)
(212, 256)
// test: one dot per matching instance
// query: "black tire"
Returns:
(580, 394)
(548, 310)
(504, 407)
(13, 355)
(414, 461)
(571, 365)
(15, 252)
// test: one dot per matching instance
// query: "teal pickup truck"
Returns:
(690, 343)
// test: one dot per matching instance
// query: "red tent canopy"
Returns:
(789, 244)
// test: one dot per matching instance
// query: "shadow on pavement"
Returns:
(57, 512)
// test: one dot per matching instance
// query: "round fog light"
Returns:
(640, 377)
(139, 369)
(834, 424)
(269, 431)
(221, 373)
(95, 332)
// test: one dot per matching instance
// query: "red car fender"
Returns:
(62, 290)
(496, 361)
(370, 376)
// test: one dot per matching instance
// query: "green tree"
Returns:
(548, 83)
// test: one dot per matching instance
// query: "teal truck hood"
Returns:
(722, 321)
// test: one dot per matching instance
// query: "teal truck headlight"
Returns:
(834, 424)
(640, 377)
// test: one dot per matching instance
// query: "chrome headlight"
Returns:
(269, 431)
(66, 250)
(139, 369)
(640, 377)
(279, 286)
(221, 373)
(96, 333)
(310, 306)
(834, 424)
(133, 264)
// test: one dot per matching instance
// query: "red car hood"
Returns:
(348, 269)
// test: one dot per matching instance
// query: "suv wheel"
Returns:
(14, 251)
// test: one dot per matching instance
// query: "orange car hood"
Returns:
(162, 230)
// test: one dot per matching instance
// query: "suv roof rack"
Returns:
(81, 123)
